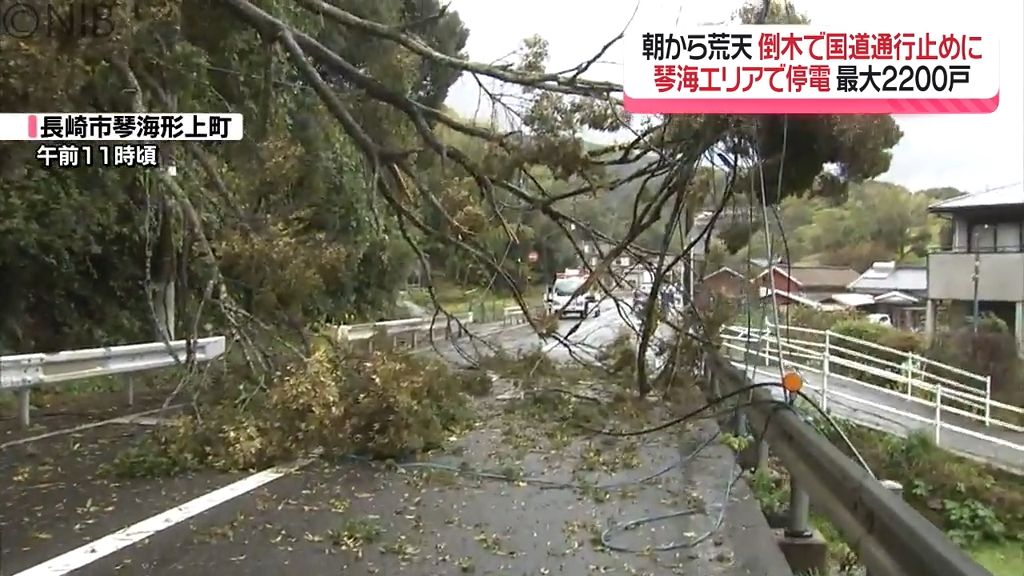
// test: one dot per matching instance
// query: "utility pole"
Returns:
(974, 278)
(977, 269)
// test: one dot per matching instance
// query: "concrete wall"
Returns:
(1000, 278)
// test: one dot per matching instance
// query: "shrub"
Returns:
(379, 406)
(902, 342)
(992, 351)
(969, 500)
(816, 319)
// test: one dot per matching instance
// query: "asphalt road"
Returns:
(362, 518)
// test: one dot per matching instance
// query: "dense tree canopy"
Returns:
(353, 176)
(877, 221)
(288, 211)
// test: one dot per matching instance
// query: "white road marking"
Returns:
(129, 419)
(93, 551)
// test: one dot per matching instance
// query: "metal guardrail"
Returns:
(889, 537)
(23, 372)
(397, 331)
(906, 378)
(513, 316)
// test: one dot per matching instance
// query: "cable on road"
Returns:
(647, 520)
(688, 416)
(614, 527)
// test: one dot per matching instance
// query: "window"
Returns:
(995, 237)
(1008, 236)
(983, 238)
(566, 286)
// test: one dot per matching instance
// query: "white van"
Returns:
(560, 292)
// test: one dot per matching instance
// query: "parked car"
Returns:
(882, 319)
(560, 297)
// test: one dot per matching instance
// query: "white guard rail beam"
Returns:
(888, 535)
(20, 373)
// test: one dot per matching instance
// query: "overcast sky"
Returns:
(968, 152)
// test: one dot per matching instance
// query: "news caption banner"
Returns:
(113, 140)
(806, 70)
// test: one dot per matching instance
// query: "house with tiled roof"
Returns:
(815, 283)
(898, 290)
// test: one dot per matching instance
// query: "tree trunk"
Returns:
(164, 272)
(165, 255)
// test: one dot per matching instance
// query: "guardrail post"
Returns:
(988, 400)
(798, 525)
(805, 550)
(24, 406)
(938, 413)
(129, 387)
(741, 424)
(762, 454)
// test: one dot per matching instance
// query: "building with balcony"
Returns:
(983, 262)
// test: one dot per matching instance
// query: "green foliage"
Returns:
(972, 522)
(770, 489)
(881, 334)
(298, 237)
(969, 500)
(858, 146)
(992, 351)
(819, 319)
(877, 221)
(379, 406)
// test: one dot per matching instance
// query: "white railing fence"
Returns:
(404, 333)
(513, 316)
(945, 390)
(23, 372)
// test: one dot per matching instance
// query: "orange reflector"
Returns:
(792, 382)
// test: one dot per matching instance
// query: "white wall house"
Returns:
(985, 261)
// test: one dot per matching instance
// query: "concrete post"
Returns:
(24, 406)
(129, 387)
